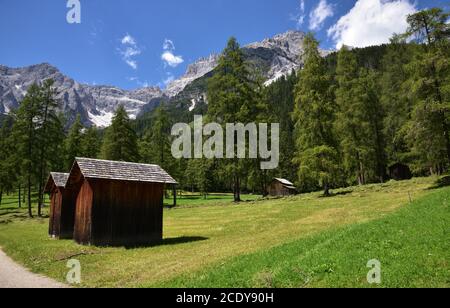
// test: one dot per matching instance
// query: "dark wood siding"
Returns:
(126, 213)
(68, 206)
(278, 189)
(83, 221)
(113, 213)
(55, 213)
(62, 213)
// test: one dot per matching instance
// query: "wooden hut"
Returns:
(62, 206)
(118, 203)
(281, 187)
(400, 172)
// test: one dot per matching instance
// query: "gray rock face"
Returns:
(282, 54)
(274, 57)
(95, 104)
(194, 71)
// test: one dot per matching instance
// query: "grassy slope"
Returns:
(190, 200)
(413, 246)
(204, 235)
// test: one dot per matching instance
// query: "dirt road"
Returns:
(12, 275)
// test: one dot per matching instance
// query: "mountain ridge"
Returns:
(275, 57)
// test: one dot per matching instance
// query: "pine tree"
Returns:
(233, 98)
(73, 144)
(314, 115)
(90, 143)
(396, 99)
(8, 175)
(368, 82)
(429, 132)
(24, 133)
(49, 135)
(280, 98)
(155, 146)
(120, 142)
(359, 128)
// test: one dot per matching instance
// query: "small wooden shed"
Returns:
(62, 206)
(118, 203)
(400, 172)
(281, 187)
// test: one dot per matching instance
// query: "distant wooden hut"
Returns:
(118, 203)
(62, 206)
(400, 172)
(281, 187)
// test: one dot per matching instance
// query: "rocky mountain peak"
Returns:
(194, 71)
(276, 56)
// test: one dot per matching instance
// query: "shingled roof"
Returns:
(286, 183)
(59, 179)
(123, 171)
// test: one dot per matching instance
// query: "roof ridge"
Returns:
(115, 161)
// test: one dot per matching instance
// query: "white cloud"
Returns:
(371, 22)
(170, 59)
(168, 55)
(129, 50)
(299, 18)
(128, 40)
(168, 45)
(317, 17)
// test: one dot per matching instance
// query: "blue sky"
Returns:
(134, 43)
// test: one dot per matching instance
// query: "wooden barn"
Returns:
(281, 187)
(62, 206)
(118, 203)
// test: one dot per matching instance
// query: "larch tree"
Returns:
(8, 176)
(396, 99)
(90, 143)
(120, 141)
(73, 144)
(50, 136)
(359, 128)
(24, 131)
(316, 155)
(233, 98)
(155, 146)
(429, 132)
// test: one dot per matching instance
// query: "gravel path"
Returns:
(13, 275)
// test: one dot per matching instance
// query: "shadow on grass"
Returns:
(443, 182)
(169, 242)
(10, 213)
(341, 193)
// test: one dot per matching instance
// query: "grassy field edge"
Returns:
(412, 244)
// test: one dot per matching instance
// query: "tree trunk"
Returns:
(1, 195)
(42, 164)
(326, 190)
(174, 196)
(20, 196)
(30, 211)
(40, 199)
(362, 178)
(237, 189)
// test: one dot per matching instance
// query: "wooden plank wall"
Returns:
(83, 222)
(67, 214)
(55, 213)
(126, 213)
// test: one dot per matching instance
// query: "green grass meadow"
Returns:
(301, 241)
